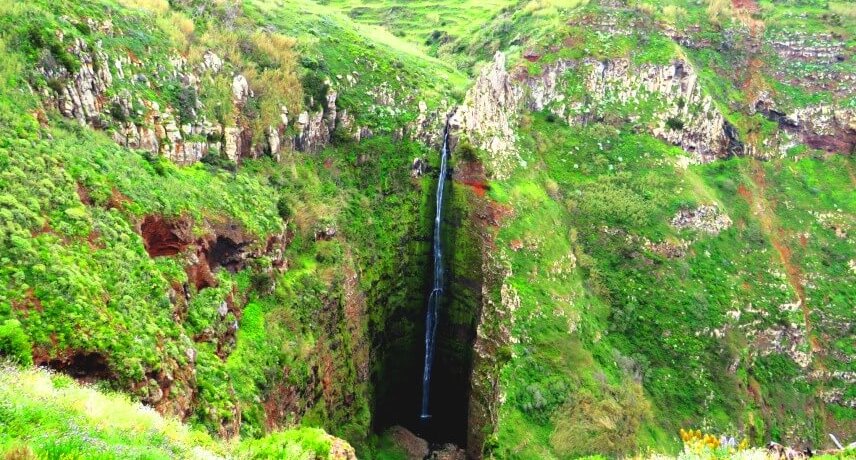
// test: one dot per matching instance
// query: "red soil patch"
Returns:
(29, 302)
(745, 193)
(200, 275)
(478, 187)
(279, 403)
(165, 237)
(778, 238)
(531, 55)
(750, 6)
(117, 200)
(472, 175)
(83, 194)
(94, 240)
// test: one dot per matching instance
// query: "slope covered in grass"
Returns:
(49, 415)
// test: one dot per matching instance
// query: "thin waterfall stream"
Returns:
(437, 289)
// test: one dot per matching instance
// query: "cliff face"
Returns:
(667, 99)
(140, 123)
(489, 113)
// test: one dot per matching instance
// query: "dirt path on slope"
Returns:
(764, 208)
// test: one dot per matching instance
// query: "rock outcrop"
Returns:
(81, 95)
(679, 111)
(315, 129)
(87, 95)
(705, 218)
(825, 127)
(488, 116)
(414, 447)
(820, 48)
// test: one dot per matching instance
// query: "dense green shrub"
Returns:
(14, 343)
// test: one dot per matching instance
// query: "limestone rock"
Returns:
(341, 450)
(231, 142)
(418, 168)
(314, 130)
(429, 124)
(488, 116)
(449, 452)
(688, 117)
(211, 61)
(83, 92)
(705, 218)
(240, 89)
(274, 142)
(819, 48)
(364, 132)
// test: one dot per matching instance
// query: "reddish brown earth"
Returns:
(165, 237)
(83, 194)
(765, 210)
(473, 176)
(29, 302)
(282, 401)
(750, 6)
(531, 55)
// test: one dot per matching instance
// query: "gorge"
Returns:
(436, 295)
(506, 229)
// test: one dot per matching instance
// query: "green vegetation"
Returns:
(617, 289)
(48, 415)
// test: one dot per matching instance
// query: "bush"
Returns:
(283, 208)
(675, 123)
(300, 443)
(14, 343)
(600, 424)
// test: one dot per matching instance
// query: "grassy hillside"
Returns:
(626, 324)
(671, 246)
(49, 415)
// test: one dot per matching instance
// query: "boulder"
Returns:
(414, 447)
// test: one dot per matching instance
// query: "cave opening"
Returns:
(89, 367)
(225, 252)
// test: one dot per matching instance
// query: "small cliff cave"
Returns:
(223, 251)
(225, 246)
(165, 237)
(84, 366)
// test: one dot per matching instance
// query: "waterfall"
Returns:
(437, 290)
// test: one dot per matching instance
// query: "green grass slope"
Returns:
(49, 415)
